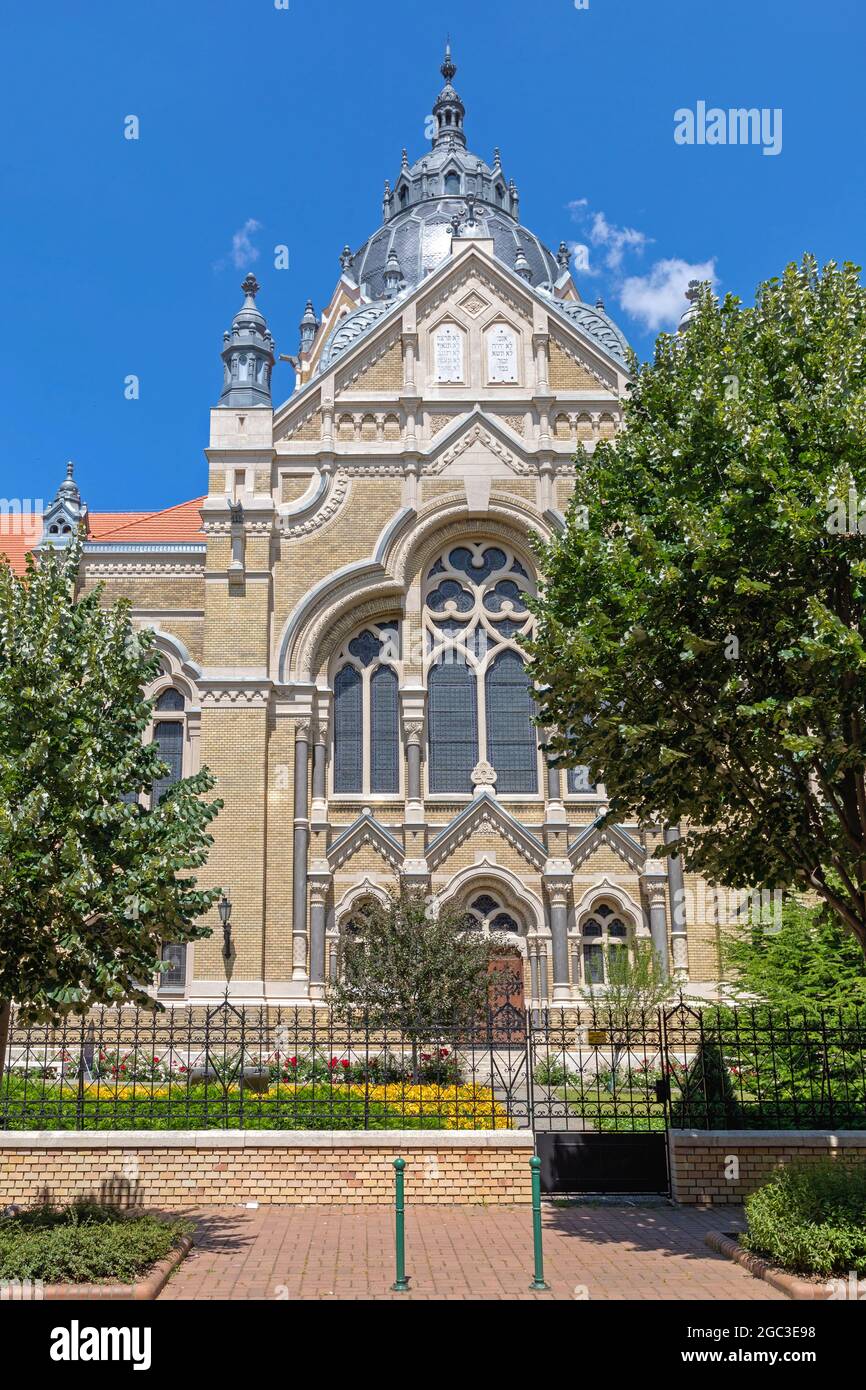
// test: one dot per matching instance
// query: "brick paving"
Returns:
(611, 1251)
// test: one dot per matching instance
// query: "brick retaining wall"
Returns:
(181, 1168)
(701, 1161)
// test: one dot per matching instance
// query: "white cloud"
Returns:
(616, 240)
(243, 251)
(657, 299)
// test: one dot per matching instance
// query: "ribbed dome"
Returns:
(420, 238)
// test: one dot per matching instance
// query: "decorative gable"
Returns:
(366, 831)
(485, 814)
(595, 838)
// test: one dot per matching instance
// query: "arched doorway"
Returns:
(506, 992)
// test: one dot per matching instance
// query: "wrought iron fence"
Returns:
(592, 1070)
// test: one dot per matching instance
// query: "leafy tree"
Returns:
(702, 637)
(626, 1005)
(812, 961)
(92, 885)
(411, 967)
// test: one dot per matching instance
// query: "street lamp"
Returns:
(225, 912)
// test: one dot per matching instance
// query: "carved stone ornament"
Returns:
(483, 775)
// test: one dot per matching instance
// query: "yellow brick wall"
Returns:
(700, 1164)
(312, 1175)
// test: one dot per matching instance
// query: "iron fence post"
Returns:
(401, 1283)
(538, 1282)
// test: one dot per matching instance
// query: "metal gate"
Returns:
(599, 1101)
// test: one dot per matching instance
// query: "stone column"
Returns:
(320, 881)
(679, 919)
(655, 886)
(319, 734)
(558, 887)
(301, 847)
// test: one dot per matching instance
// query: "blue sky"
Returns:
(119, 255)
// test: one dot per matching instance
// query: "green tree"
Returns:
(702, 636)
(812, 961)
(411, 967)
(626, 1005)
(92, 885)
(707, 1099)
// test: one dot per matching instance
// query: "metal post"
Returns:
(401, 1283)
(538, 1280)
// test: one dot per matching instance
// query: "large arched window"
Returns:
(480, 704)
(366, 713)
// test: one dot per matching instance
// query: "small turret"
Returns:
(448, 109)
(248, 354)
(65, 514)
(693, 294)
(392, 275)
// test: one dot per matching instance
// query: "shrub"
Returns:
(707, 1099)
(84, 1244)
(552, 1073)
(811, 1219)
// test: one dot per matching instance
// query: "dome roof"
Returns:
(452, 191)
(420, 237)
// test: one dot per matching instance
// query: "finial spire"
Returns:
(250, 286)
(449, 67)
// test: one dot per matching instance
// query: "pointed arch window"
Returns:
(480, 704)
(452, 183)
(366, 723)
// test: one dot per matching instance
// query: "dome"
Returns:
(420, 237)
(449, 191)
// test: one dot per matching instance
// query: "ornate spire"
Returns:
(449, 67)
(521, 264)
(448, 109)
(309, 327)
(393, 275)
(248, 353)
(693, 294)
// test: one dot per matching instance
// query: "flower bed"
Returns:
(328, 1104)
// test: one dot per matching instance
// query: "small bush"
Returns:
(552, 1073)
(811, 1219)
(84, 1244)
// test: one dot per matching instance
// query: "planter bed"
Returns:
(88, 1252)
(794, 1286)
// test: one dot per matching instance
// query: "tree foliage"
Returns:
(411, 967)
(812, 961)
(92, 886)
(702, 636)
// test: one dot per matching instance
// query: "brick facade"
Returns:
(228, 1168)
(723, 1167)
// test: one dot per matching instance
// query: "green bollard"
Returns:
(538, 1281)
(401, 1283)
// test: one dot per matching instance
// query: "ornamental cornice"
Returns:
(168, 569)
(228, 695)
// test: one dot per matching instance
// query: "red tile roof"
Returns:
(19, 534)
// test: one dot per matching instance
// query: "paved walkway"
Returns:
(599, 1252)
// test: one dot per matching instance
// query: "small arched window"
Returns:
(602, 934)
(366, 714)
(452, 183)
(168, 737)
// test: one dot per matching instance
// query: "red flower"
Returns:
(443, 1052)
(293, 1061)
(332, 1063)
(344, 1063)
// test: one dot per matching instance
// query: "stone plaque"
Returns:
(501, 354)
(448, 353)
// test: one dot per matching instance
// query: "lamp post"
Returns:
(225, 912)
